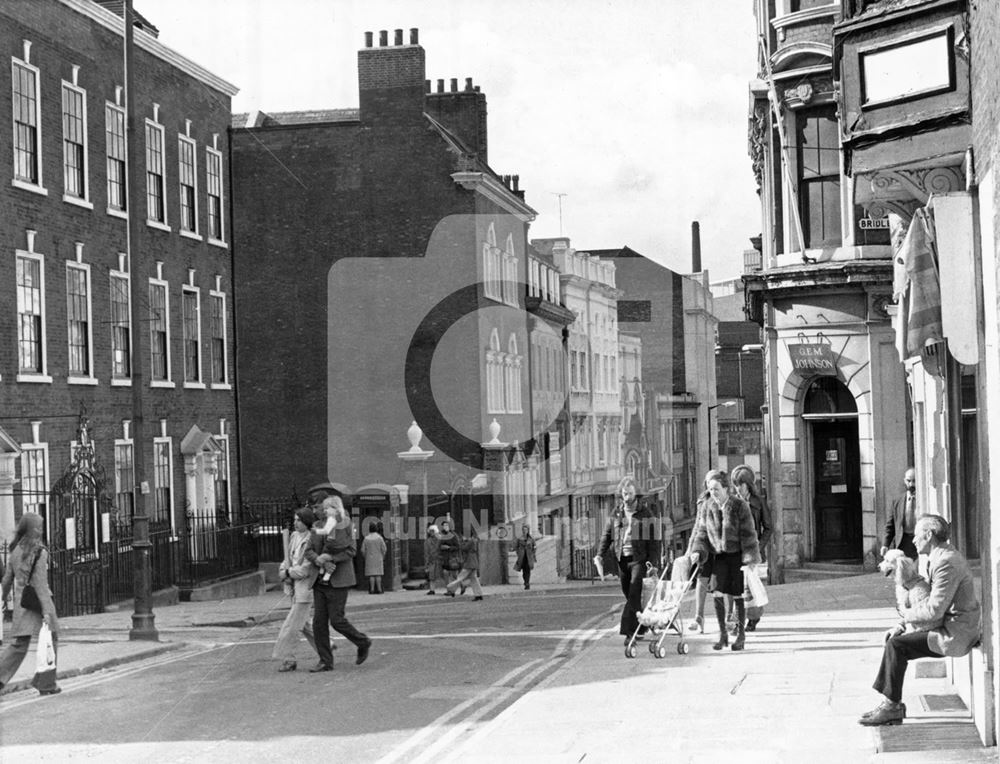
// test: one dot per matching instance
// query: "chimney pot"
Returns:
(695, 247)
(398, 37)
(517, 181)
(368, 39)
(468, 84)
(414, 36)
(476, 88)
(440, 86)
(383, 37)
(454, 84)
(427, 86)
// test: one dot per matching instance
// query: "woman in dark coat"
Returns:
(28, 564)
(525, 548)
(745, 483)
(724, 539)
(450, 551)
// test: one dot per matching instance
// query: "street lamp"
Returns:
(726, 405)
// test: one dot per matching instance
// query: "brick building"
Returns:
(68, 284)
(381, 281)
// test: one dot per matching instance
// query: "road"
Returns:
(437, 671)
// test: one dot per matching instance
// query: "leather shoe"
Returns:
(476, 599)
(867, 714)
(287, 666)
(53, 691)
(449, 593)
(363, 652)
(887, 713)
(320, 667)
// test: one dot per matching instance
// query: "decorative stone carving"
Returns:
(756, 140)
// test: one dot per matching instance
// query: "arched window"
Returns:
(492, 273)
(512, 377)
(509, 272)
(828, 396)
(494, 375)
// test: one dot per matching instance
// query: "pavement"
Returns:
(794, 694)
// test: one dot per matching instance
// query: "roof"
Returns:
(624, 251)
(307, 117)
(117, 7)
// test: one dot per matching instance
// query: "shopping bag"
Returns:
(649, 584)
(752, 584)
(45, 657)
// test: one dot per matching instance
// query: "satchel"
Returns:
(29, 597)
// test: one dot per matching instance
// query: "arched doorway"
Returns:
(832, 416)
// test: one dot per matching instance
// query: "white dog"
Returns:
(911, 587)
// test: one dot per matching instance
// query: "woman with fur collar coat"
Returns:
(724, 540)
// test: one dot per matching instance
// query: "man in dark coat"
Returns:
(901, 519)
(629, 534)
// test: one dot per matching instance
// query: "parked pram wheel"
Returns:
(683, 648)
(652, 647)
(631, 651)
(661, 652)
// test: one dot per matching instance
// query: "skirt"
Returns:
(726, 573)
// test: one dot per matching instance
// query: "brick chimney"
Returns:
(461, 111)
(391, 79)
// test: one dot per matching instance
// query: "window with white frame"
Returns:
(223, 506)
(213, 162)
(191, 327)
(217, 327)
(121, 327)
(114, 117)
(492, 266)
(78, 320)
(74, 116)
(124, 481)
(188, 173)
(30, 275)
(163, 482)
(159, 331)
(27, 123)
(156, 188)
(494, 375)
(510, 272)
(34, 477)
(512, 377)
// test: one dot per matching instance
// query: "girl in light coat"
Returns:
(298, 575)
(28, 564)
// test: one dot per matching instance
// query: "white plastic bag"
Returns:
(45, 657)
(753, 584)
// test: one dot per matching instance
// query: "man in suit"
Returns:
(952, 605)
(629, 534)
(901, 519)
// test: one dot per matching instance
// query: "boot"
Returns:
(741, 614)
(720, 614)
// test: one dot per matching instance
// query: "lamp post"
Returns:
(726, 405)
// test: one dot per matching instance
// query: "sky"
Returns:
(634, 110)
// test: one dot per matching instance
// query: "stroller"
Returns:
(661, 609)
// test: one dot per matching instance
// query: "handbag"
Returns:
(29, 597)
(755, 587)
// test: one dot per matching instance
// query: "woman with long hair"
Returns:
(298, 574)
(724, 539)
(704, 570)
(29, 565)
(745, 482)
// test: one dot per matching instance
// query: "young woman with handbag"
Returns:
(29, 568)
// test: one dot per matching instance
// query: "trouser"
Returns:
(896, 654)
(433, 574)
(906, 545)
(472, 576)
(329, 603)
(13, 655)
(526, 574)
(288, 637)
(630, 574)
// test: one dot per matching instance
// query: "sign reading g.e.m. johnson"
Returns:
(813, 359)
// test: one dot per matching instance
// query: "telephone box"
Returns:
(373, 504)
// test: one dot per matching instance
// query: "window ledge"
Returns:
(81, 380)
(191, 235)
(116, 213)
(221, 386)
(164, 383)
(217, 243)
(39, 378)
(77, 201)
(194, 385)
(121, 382)
(32, 187)
(159, 226)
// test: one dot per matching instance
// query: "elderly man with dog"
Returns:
(951, 607)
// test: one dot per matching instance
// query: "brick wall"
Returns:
(59, 225)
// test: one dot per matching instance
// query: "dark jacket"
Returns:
(895, 518)
(340, 545)
(643, 533)
(450, 550)
(729, 529)
(762, 520)
(525, 548)
(470, 552)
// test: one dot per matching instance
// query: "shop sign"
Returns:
(813, 359)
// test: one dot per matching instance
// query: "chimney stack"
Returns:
(695, 247)
(391, 80)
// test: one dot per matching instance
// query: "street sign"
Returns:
(814, 358)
